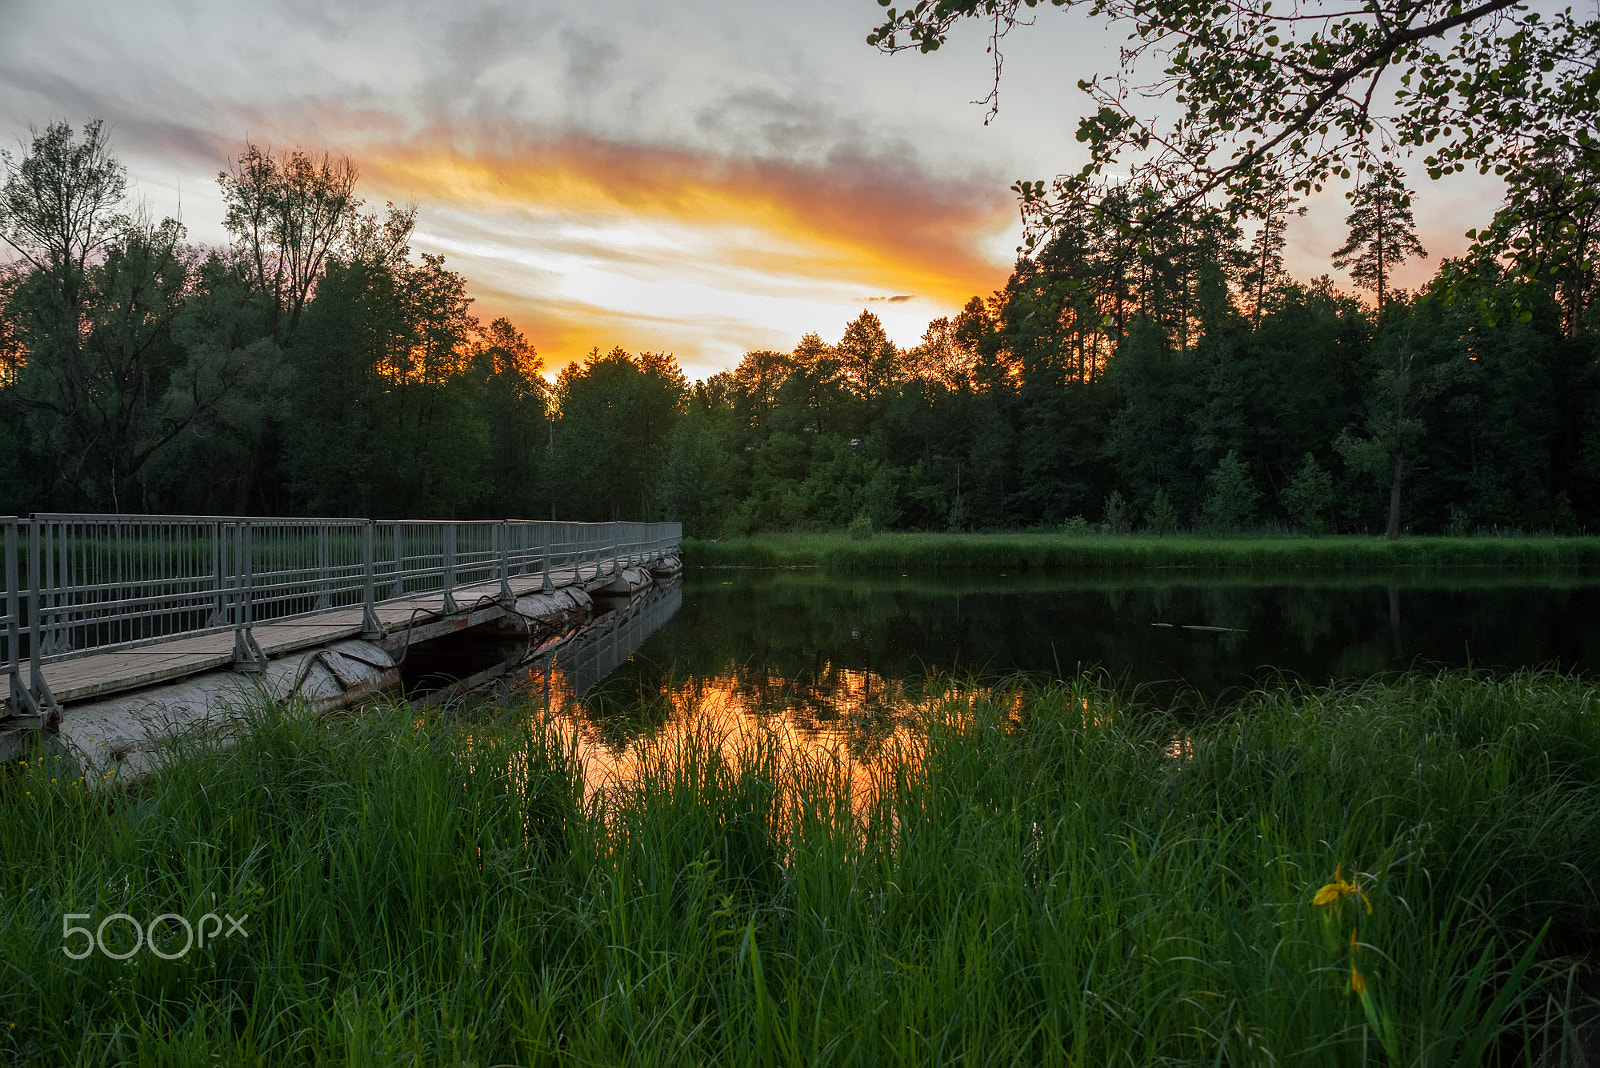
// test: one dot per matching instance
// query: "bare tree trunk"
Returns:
(1394, 493)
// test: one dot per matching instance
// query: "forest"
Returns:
(1148, 366)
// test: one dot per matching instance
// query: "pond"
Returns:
(834, 660)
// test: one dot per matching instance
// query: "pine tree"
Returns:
(1265, 257)
(1383, 235)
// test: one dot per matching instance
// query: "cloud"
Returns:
(584, 241)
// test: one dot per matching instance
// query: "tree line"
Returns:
(1148, 366)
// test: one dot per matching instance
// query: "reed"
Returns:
(1021, 552)
(1042, 874)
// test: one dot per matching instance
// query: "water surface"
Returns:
(829, 660)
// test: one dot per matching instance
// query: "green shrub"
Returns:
(1118, 515)
(1162, 518)
(1231, 503)
(1307, 496)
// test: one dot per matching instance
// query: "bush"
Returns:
(960, 515)
(1119, 515)
(1162, 518)
(1307, 496)
(861, 526)
(1231, 504)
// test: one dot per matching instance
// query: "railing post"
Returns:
(218, 607)
(502, 533)
(449, 568)
(42, 582)
(324, 565)
(398, 586)
(35, 700)
(545, 585)
(371, 629)
(13, 636)
(247, 654)
(36, 696)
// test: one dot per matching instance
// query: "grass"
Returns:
(1043, 876)
(885, 552)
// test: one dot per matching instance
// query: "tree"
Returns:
(1307, 496)
(870, 361)
(59, 206)
(814, 390)
(1383, 233)
(1399, 388)
(1545, 97)
(701, 472)
(1547, 233)
(95, 376)
(287, 211)
(514, 412)
(753, 391)
(60, 209)
(943, 357)
(613, 432)
(1295, 94)
(1231, 503)
(1265, 258)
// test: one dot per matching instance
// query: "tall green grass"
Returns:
(1045, 551)
(1039, 876)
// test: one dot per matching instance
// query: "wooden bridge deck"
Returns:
(413, 617)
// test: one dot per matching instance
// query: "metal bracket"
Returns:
(371, 629)
(247, 655)
(32, 707)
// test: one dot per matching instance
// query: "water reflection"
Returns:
(842, 667)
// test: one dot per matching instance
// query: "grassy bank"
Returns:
(1046, 877)
(1043, 551)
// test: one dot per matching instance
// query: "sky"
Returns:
(706, 177)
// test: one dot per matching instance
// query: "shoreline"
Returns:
(1035, 551)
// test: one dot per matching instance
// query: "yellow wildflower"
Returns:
(1340, 887)
(1358, 985)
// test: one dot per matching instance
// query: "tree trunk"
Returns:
(1394, 494)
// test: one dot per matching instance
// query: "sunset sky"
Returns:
(703, 178)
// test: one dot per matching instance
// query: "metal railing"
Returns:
(77, 584)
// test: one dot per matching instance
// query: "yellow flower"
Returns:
(1358, 985)
(1340, 887)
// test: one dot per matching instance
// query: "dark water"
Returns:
(791, 635)
(839, 663)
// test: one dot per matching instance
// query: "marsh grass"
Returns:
(1033, 551)
(1033, 878)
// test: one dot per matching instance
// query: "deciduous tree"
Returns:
(287, 211)
(1299, 93)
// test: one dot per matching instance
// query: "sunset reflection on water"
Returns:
(841, 723)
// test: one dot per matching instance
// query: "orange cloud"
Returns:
(727, 236)
(900, 225)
